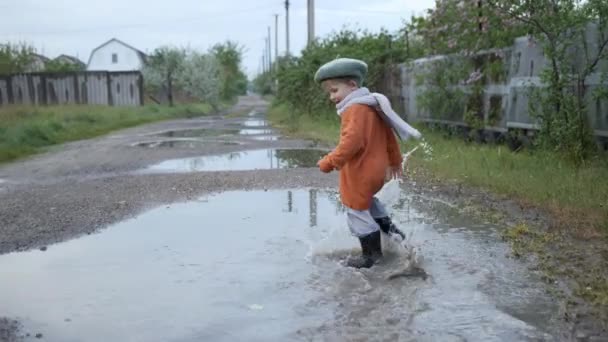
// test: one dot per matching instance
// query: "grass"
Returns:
(27, 130)
(320, 129)
(577, 198)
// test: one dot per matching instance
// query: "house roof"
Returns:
(40, 57)
(71, 59)
(140, 53)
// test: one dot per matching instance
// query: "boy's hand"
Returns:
(395, 171)
(324, 165)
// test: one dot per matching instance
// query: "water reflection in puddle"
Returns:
(194, 133)
(188, 272)
(195, 271)
(243, 160)
(266, 137)
(183, 143)
(254, 131)
(255, 123)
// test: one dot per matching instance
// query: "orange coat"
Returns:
(367, 147)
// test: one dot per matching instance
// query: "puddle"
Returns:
(203, 132)
(183, 143)
(255, 123)
(266, 137)
(255, 131)
(3, 182)
(207, 271)
(243, 160)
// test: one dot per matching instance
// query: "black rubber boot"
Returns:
(388, 227)
(371, 251)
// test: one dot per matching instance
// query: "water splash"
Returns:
(427, 149)
(406, 250)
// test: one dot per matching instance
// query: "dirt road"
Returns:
(261, 247)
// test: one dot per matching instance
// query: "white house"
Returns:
(115, 55)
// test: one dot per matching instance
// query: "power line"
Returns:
(341, 10)
(162, 22)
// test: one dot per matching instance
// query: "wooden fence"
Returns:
(87, 87)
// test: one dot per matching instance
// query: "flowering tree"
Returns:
(163, 67)
(465, 26)
(193, 73)
(200, 77)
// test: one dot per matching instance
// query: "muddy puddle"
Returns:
(183, 143)
(253, 123)
(270, 271)
(242, 160)
(198, 133)
(255, 131)
(266, 137)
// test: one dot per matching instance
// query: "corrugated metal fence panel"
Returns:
(21, 91)
(125, 89)
(35, 84)
(3, 92)
(62, 89)
(83, 92)
(118, 88)
(510, 98)
(96, 87)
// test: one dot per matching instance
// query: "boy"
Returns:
(367, 150)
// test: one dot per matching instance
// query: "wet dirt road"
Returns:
(217, 229)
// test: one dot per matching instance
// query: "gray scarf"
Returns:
(383, 106)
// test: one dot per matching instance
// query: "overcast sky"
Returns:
(75, 27)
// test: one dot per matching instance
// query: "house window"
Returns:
(114, 58)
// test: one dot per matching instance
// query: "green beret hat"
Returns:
(342, 67)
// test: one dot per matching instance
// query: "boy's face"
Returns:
(339, 89)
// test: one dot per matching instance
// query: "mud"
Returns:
(568, 265)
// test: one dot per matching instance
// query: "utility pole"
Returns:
(268, 39)
(407, 43)
(264, 63)
(311, 21)
(287, 27)
(276, 37)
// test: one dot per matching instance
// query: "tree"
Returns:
(564, 28)
(233, 79)
(59, 66)
(15, 58)
(465, 26)
(163, 67)
(381, 51)
(200, 77)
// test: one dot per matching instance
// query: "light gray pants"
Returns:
(361, 222)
